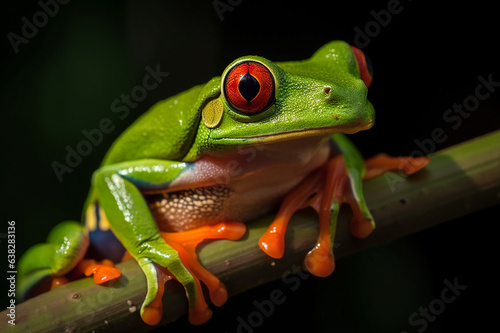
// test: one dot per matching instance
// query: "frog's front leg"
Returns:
(119, 190)
(338, 181)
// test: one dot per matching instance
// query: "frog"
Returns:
(263, 138)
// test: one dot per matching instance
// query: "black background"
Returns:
(427, 57)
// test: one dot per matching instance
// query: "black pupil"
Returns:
(249, 87)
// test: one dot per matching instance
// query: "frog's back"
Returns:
(166, 131)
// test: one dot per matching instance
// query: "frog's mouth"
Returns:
(311, 132)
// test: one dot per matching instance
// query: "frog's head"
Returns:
(262, 102)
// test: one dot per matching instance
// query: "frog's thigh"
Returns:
(48, 259)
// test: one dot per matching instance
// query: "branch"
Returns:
(459, 180)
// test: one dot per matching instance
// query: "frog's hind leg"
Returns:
(66, 245)
(185, 244)
(381, 163)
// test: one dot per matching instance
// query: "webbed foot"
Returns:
(185, 243)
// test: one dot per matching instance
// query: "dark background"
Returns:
(426, 58)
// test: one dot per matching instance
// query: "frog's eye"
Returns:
(364, 65)
(249, 87)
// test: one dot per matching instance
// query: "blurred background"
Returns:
(64, 66)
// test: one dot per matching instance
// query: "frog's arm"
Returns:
(343, 183)
(358, 170)
(117, 187)
(65, 247)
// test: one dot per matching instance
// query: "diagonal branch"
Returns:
(460, 180)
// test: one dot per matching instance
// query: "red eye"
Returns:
(364, 65)
(249, 87)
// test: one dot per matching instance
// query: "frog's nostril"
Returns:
(327, 90)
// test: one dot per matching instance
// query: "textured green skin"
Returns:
(173, 133)
(297, 99)
(65, 246)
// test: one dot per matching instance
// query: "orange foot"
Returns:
(102, 272)
(185, 244)
(325, 191)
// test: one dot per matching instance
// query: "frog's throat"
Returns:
(310, 132)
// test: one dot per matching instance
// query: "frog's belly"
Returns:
(236, 187)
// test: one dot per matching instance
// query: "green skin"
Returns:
(171, 138)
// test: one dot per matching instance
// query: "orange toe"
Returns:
(361, 228)
(153, 313)
(103, 273)
(58, 281)
(231, 231)
(414, 164)
(200, 316)
(200, 313)
(273, 243)
(219, 295)
(381, 163)
(320, 262)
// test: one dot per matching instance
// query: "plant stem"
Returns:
(459, 180)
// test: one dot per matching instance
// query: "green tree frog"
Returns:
(263, 136)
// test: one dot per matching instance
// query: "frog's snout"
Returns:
(348, 105)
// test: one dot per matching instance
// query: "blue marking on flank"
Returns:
(104, 244)
(148, 186)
